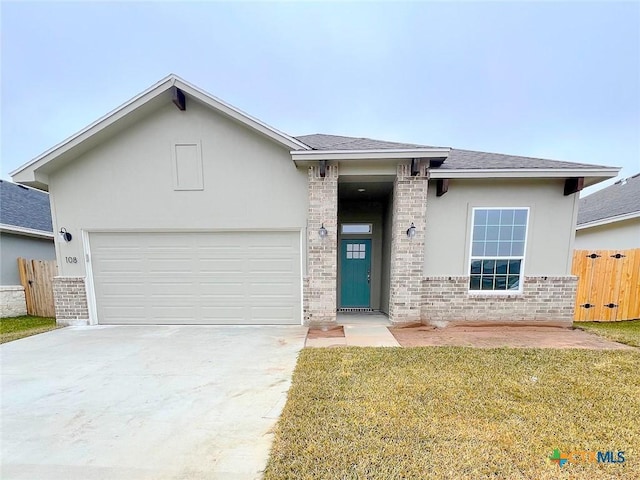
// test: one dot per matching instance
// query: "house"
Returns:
(181, 209)
(609, 219)
(25, 231)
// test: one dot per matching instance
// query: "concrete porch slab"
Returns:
(369, 336)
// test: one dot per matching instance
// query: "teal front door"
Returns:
(355, 274)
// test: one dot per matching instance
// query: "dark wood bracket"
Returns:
(442, 186)
(415, 166)
(323, 168)
(573, 185)
(178, 98)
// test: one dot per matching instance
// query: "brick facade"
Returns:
(320, 284)
(70, 298)
(545, 300)
(407, 254)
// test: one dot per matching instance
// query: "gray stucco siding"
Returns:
(14, 246)
(127, 182)
(621, 235)
(550, 230)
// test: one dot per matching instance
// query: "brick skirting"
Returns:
(544, 301)
(70, 297)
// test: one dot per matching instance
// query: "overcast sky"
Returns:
(549, 79)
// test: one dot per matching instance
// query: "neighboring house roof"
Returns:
(620, 201)
(452, 163)
(24, 210)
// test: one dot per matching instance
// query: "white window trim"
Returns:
(507, 292)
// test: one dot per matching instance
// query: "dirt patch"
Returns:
(325, 332)
(501, 336)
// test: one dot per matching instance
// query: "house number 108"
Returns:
(71, 259)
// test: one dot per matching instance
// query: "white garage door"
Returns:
(197, 278)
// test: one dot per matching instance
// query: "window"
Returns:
(497, 249)
(355, 228)
(356, 250)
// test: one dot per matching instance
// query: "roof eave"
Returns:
(609, 220)
(27, 232)
(594, 174)
(374, 154)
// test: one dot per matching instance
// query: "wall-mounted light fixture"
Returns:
(411, 231)
(323, 232)
(66, 236)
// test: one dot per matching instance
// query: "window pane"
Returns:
(491, 249)
(362, 254)
(517, 249)
(518, 233)
(480, 217)
(492, 233)
(488, 267)
(356, 228)
(478, 249)
(507, 217)
(520, 217)
(501, 282)
(475, 282)
(349, 254)
(504, 249)
(514, 267)
(493, 217)
(487, 283)
(501, 267)
(349, 247)
(476, 265)
(505, 232)
(479, 231)
(514, 282)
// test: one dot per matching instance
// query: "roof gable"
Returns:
(36, 171)
(24, 207)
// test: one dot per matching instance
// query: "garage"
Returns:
(225, 278)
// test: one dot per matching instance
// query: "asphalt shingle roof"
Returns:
(321, 141)
(457, 159)
(469, 159)
(24, 207)
(621, 198)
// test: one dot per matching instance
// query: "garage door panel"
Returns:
(197, 278)
(215, 266)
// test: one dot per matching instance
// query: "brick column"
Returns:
(407, 254)
(70, 299)
(320, 285)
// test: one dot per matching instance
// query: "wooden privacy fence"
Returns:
(608, 285)
(36, 276)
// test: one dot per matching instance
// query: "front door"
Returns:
(355, 275)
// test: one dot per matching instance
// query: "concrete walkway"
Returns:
(360, 330)
(134, 402)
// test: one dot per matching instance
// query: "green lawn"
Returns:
(13, 328)
(452, 412)
(624, 332)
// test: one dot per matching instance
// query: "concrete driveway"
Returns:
(136, 402)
